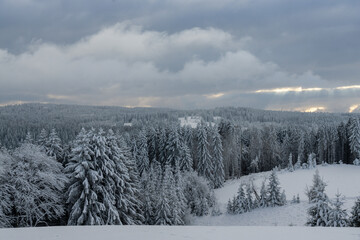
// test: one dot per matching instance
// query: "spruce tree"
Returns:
(290, 165)
(354, 137)
(337, 215)
(205, 164)
(186, 161)
(142, 157)
(53, 146)
(263, 196)
(320, 208)
(217, 157)
(273, 192)
(355, 214)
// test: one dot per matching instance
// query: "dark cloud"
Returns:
(95, 52)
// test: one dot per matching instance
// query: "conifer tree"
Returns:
(53, 146)
(290, 165)
(273, 192)
(217, 158)
(337, 215)
(205, 164)
(354, 137)
(186, 161)
(42, 139)
(142, 157)
(355, 214)
(320, 208)
(263, 196)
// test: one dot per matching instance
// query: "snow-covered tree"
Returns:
(311, 162)
(290, 164)
(355, 214)
(186, 161)
(53, 146)
(320, 206)
(37, 184)
(254, 165)
(165, 214)
(5, 189)
(263, 196)
(197, 193)
(217, 158)
(205, 164)
(29, 138)
(249, 199)
(42, 138)
(338, 216)
(298, 163)
(142, 157)
(274, 197)
(240, 204)
(356, 162)
(354, 137)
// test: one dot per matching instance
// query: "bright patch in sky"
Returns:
(288, 89)
(353, 108)
(212, 96)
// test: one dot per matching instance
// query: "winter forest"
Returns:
(79, 165)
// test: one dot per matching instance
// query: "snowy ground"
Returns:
(178, 233)
(342, 178)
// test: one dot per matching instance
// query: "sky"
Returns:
(296, 55)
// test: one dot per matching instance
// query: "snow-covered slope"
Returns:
(342, 178)
(178, 233)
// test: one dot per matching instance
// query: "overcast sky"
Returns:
(300, 55)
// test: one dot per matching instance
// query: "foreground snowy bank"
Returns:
(178, 233)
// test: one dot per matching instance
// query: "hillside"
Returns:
(342, 178)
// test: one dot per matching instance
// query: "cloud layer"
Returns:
(129, 66)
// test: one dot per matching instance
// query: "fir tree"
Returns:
(142, 157)
(263, 196)
(355, 214)
(42, 139)
(186, 161)
(319, 210)
(354, 137)
(273, 192)
(205, 164)
(216, 146)
(337, 215)
(290, 165)
(53, 146)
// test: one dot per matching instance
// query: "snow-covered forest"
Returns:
(78, 165)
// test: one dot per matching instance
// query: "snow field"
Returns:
(342, 178)
(178, 233)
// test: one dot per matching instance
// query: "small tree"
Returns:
(290, 165)
(355, 214)
(337, 215)
(319, 210)
(274, 194)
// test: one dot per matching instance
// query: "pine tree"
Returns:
(165, 214)
(5, 189)
(186, 161)
(290, 165)
(53, 146)
(216, 146)
(273, 192)
(337, 215)
(173, 147)
(84, 192)
(319, 211)
(355, 214)
(263, 196)
(254, 165)
(205, 164)
(311, 161)
(29, 138)
(298, 163)
(240, 201)
(354, 137)
(249, 199)
(42, 139)
(142, 157)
